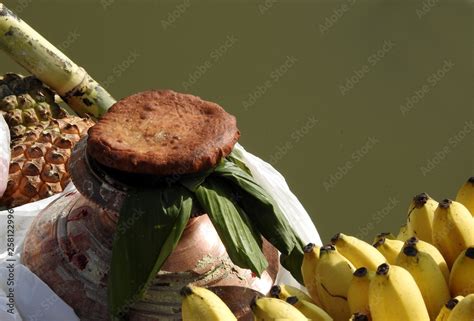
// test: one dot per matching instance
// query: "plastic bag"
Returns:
(4, 154)
(41, 304)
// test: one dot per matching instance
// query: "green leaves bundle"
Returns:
(152, 221)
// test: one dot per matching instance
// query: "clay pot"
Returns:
(69, 247)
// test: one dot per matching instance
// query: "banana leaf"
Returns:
(150, 225)
(235, 229)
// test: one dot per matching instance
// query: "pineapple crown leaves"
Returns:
(240, 210)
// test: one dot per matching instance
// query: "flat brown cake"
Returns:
(163, 132)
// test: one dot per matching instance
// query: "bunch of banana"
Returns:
(427, 275)
(406, 277)
(202, 304)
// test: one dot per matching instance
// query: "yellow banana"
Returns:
(464, 310)
(388, 247)
(271, 309)
(461, 280)
(310, 310)
(428, 277)
(360, 317)
(434, 252)
(404, 233)
(284, 291)
(465, 195)
(202, 304)
(394, 296)
(358, 293)
(420, 217)
(453, 229)
(308, 270)
(360, 253)
(333, 277)
(447, 308)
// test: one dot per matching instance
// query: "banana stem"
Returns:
(39, 57)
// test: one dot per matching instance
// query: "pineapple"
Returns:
(43, 135)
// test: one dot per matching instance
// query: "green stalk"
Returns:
(39, 57)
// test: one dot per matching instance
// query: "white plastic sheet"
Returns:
(4, 154)
(34, 300)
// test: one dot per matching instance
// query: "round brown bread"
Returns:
(162, 132)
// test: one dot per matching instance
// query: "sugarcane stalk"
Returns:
(39, 57)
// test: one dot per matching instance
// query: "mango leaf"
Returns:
(232, 225)
(150, 225)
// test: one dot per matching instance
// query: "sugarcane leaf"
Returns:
(232, 225)
(260, 207)
(150, 225)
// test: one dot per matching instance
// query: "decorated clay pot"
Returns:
(69, 246)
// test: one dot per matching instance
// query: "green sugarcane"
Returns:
(39, 57)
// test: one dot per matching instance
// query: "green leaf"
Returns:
(193, 181)
(150, 225)
(266, 215)
(293, 263)
(233, 226)
(236, 157)
(261, 208)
